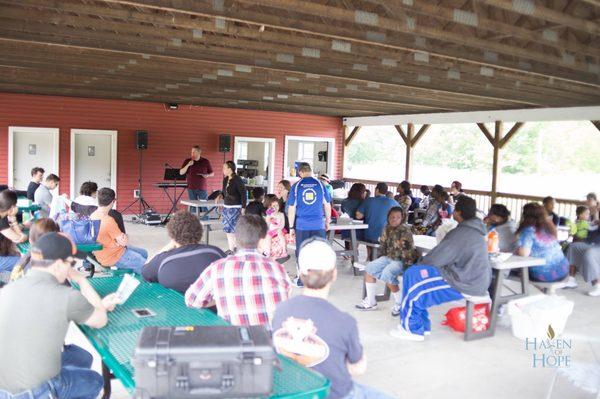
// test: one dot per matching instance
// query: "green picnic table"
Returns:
(31, 208)
(117, 341)
(24, 247)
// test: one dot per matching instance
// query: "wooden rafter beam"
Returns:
(513, 130)
(597, 124)
(420, 134)
(402, 134)
(351, 136)
(486, 132)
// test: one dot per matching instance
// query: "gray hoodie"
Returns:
(463, 259)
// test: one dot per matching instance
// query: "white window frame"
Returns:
(330, 152)
(238, 139)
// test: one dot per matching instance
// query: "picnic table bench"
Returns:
(117, 341)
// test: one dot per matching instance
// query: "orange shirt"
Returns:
(109, 230)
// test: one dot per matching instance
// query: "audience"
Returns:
(87, 202)
(283, 191)
(424, 204)
(35, 313)
(245, 286)
(456, 190)
(498, 219)
(178, 264)
(586, 258)
(350, 205)
(397, 252)
(537, 238)
(115, 249)
(591, 201)
(404, 197)
(549, 204)
(37, 175)
(581, 228)
(374, 211)
(432, 216)
(39, 228)
(338, 353)
(309, 209)
(10, 232)
(256, 207)
(43, 195)
(458, 265)
(324, 178)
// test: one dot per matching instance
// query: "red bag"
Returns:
(455, 318)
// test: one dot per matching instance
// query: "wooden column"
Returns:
(496, 144)
(409, 145)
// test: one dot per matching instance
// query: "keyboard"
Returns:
(170, 185)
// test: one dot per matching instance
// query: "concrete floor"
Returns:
(444, 366)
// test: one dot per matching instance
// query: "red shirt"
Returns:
(200, 167)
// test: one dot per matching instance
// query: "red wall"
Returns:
(171, 134)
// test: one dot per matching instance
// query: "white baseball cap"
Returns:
(316, 254)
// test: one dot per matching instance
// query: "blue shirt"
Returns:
(376, 210)
(317, 335)
(308, 196)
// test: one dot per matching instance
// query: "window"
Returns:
(306, 152)
(242, 150)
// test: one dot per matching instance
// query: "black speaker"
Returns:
(141, 139)
(224, 142)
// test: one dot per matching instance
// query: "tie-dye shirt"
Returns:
(546, 246)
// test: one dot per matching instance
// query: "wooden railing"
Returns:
(514, 202)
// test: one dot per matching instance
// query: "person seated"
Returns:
(458, 265)
(38, 229)
(350, 205)
(498, 219)
(115, 249)
(581, 228)
(256, 207)
(404, 196)
(35, 313)
(549, 204)
(310, 330)
(446, 208)
(37, 175)
(591, 201)
(246, 286)
(424, 204)
(432, 216)
(87, 202)
(374, 212)
(585, 257)
(324, 178)
(10, 232)
(183, 259)
(537, 238)
(456, 191)
(43, 195)
(397, 252)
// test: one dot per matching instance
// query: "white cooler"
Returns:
(531, 316)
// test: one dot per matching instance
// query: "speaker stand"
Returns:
(143, 205)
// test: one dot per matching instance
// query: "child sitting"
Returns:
(581, 227)
(397, 252)
(275, 240)
(256, 207)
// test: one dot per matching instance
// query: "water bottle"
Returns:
(493, 242)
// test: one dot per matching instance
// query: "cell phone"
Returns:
(141, 313)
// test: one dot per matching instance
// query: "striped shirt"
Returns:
(246, 287)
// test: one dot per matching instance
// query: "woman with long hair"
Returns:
(537, 238)
(234, 201)
(356, 195)
(404, 195)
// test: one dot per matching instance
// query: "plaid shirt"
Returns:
(246, 288)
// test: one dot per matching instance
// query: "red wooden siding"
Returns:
(171, 134)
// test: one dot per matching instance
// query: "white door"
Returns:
(93, 158)
(29, 147)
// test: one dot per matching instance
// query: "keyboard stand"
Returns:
(174, 201)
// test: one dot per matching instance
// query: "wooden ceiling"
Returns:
(329, 57)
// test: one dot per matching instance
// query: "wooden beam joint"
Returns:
(351, 136)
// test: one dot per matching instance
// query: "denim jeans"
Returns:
(360, 391)
(8, 262)
(75, 379)
(133, 259)
(385, 269)
(197, 195)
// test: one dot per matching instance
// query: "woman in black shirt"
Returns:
(234, 197)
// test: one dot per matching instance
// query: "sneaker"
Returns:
(401, 333)
(298, 283)
(396, 311)
(364, 305)
(427, 333)
(571, 282)
(595, 291)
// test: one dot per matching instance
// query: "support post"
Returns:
(496, 144)
(597, 124)
(352, 136)
(409, 140)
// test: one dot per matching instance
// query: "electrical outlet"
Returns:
(136, 193)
